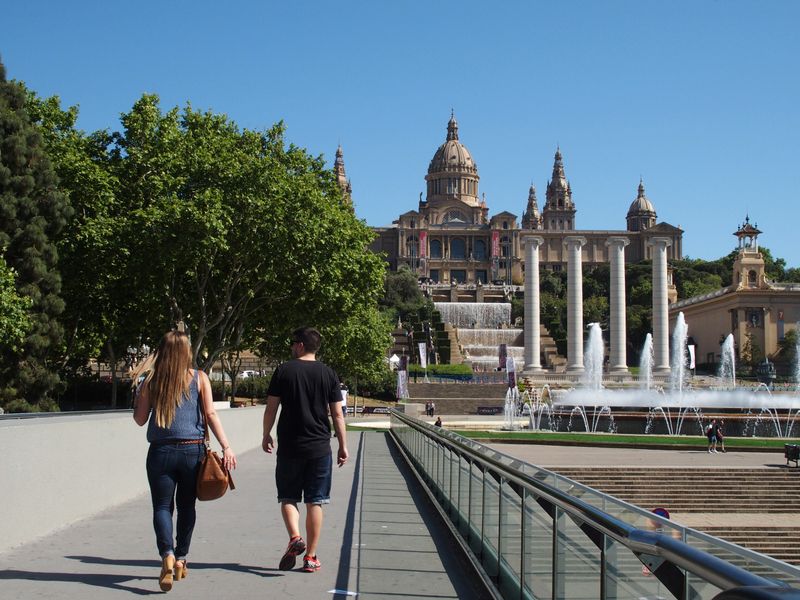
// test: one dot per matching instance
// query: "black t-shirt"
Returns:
(306, 388)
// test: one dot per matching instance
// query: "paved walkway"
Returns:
(381, 540)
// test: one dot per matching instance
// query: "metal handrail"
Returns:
(708, 567)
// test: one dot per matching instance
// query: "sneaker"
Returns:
(715, 451)
(296, 547)
(709, 450)
(311, 564)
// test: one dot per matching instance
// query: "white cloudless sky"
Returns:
(699, 98)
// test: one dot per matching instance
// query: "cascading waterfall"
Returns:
(727, 363)
(475, 314)
(646, 363)
(678, 357)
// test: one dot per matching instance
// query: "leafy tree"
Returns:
(402, 296)
(32, 213)
(14, 316)
(92, 254)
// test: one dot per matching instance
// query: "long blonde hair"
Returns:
(167, 382)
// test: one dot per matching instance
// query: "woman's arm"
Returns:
(204, 385)
(141, 405)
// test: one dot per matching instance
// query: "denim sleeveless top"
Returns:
(188, 421)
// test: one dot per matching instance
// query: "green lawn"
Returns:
(600, 439)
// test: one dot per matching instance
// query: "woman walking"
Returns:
(173, 400)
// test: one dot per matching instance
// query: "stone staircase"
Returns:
(551, 359)
(458, 398)
(761, 505)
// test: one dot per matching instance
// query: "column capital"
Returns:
(533, 240)
(663, 242)
(618, 240)
(574, 240)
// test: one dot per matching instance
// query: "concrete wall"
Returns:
(56, 470)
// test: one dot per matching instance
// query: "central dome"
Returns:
(452, 156)
(452, 174)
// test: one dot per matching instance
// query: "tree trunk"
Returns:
(113, 362)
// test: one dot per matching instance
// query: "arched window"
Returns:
(479, 252)
(458, 249)
(436, 249)
(505, 224)
(751, 279)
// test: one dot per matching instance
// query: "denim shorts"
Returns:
(304, 479)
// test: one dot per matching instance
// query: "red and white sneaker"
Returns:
(296, 547)
(311, 564)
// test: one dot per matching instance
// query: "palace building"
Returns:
(452, 239)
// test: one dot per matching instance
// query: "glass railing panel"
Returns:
(578, 562)
(491, 524)
(627, 578)
(759, 564)
(476, 509)
(538, 560)
(699, 589)
(510, 542)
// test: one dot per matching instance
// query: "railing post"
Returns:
(558, 555)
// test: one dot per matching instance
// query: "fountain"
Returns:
(646, 363)
(727, 363)
(512, 403)
(593, 358)
(678, 357)
(681, 404)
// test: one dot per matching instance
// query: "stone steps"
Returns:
(727, 491)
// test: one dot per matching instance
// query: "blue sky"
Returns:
(701, 99)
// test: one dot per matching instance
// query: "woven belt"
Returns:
(178, 442)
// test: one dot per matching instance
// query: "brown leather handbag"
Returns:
(213, 479)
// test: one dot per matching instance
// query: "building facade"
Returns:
(757, 312)
(451, 238)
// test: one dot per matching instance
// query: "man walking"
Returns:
(307, 392)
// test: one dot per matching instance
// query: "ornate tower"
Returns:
(559, 210)
(341, 177)
(749, 270)
(531, 219)
(642, 213)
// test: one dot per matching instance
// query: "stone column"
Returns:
(617, 364)
(532, 331)
(574, 303)
(660, 306)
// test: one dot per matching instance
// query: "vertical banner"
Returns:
(495, 244)
(503, 354)
(423, 355)
(423, 244)
(512, 372)
(403, 363)
(402, 385)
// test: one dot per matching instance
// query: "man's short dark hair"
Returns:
(311, 338)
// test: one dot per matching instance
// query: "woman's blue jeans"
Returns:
(172, 467)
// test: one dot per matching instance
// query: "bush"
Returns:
(460, 372)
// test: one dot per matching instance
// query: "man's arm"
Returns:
(270, 412)
(339, 428)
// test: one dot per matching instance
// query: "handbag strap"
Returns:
(208, 440)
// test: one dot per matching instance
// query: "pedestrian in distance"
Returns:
(172, 400)
(438, 422)
(721, 435)
(307, 391)
(711, 434)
